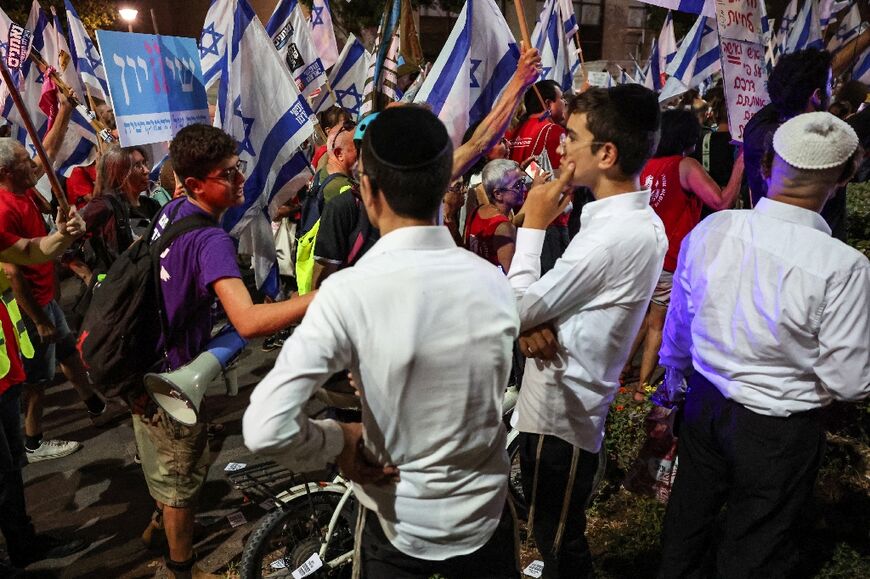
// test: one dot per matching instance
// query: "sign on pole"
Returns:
(742, 56)
(155, 83)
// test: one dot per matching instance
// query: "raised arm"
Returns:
(494, 125)
(694, 178)
(54, 137)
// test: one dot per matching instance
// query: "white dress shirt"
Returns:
(596, 296)
(427, 328)
(772, 310)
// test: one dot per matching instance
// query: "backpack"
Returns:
(312, 206)
(121, 330)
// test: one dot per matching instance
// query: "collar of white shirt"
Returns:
(422, 237)
(792, 214)
(614, 204)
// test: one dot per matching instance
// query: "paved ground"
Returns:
(99, 493)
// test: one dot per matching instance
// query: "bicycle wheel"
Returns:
(286, 538)
(515, 481)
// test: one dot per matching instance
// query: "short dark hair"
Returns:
(547, 88)
(680, 130)
(408, 156)
(197, 149)
(794, 79)
(333, 116)
(627, 116)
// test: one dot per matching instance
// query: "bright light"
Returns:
(128, 14)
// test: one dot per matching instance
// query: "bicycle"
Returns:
(312, 529)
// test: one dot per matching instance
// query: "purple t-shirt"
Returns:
(190, 265)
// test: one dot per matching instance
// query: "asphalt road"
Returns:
(99, 493)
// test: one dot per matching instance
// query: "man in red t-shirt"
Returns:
(80, 185)
(34, 289)
(22, 543)
(542, 131)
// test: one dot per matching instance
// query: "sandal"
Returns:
(642, 392)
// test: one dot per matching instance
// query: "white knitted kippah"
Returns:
(815, 141)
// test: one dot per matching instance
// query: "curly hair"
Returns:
(796, 77)
(197, 149)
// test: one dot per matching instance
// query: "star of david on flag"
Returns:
(348, 78)
(85, 55)
(322, 33)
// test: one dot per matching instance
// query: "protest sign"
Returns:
(599, 79)
(742, 57)
(155, 83)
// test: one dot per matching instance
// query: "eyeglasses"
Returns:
(346, 126)
(230, 174)
(521, 186)
(564, 139)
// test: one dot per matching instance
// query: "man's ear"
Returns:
(608, 156)
(816, 99)
(192, 185)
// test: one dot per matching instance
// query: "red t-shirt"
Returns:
(16, 368)
(532, 137)
(318, 153)
(480, 236)
(679, 210)
(81, 183)
(19, 216)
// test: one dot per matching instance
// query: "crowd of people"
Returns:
(563, 238)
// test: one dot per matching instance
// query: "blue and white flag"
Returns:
(705, 7)
(348, 78)
(861, 72)
(806, 31)
(559, 62)
(213, 40)
(786, 23)
(86, 57)
(260, 106)
(474, 67)
(851, 27)
(696, 59)
(322, 32)
(667, 44)
(288, 29)
(827, 9)
(653, 71)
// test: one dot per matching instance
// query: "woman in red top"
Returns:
(679, 188)
(489, 232)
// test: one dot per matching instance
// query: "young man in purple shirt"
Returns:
(197, 267)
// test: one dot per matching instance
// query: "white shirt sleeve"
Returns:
(676, 350)
(843, 364)
(577, 277)
(275, 422)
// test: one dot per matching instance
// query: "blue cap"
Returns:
(363, 125)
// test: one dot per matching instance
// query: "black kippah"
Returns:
(637, 106)
(407, 138)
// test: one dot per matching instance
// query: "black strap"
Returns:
(123, 233)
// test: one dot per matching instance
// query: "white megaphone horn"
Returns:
(180, 392)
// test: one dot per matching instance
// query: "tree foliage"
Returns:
(95, 14)
(360, 14)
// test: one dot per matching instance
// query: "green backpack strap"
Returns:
(305, 259)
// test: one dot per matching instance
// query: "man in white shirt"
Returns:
(427, 330)
(595, 298)
(773, 316)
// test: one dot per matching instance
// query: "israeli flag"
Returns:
(696, 59)
(786, 23)
(851, 27)
(667, 44)
(827, 9)
(806, 32)
(474, 67)
(861, 72)
(558, 61)
(704, 7)
(322, 33)
(86, 57)
(348, 78)
(213, 40)
(260, 106)
(288, 30)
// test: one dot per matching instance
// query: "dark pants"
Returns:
(557, 498)
(555, 242)
(497, 559)
(762, 467)
(14, 521)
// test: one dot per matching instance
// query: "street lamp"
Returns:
(128, 15)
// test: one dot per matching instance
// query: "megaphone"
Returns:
(180, 392)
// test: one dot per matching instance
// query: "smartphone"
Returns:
(533, 170)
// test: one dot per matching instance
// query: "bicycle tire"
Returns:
(295, 532)
(515, 481)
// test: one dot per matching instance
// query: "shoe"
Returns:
(51, 547)
(110, 414)
(154, 535)
(269, 343)
(51, 449)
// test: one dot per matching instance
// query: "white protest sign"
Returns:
(597, 78)
(535, 569)
(742, 56)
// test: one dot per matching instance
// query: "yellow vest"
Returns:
(24, 344)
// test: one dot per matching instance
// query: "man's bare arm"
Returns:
(494, 125)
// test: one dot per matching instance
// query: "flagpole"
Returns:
(154, 22)
(524, 31)
(332, 92)
(56, 189)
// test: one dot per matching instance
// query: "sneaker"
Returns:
(110, 414)
(51, 547)
(273, 342)
(50, 449)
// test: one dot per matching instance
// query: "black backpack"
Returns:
(119, 336)
(312, 205)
